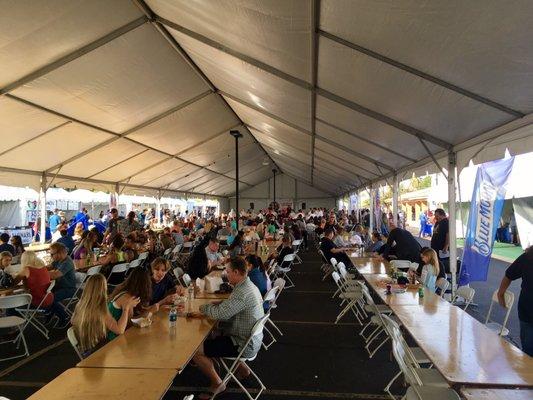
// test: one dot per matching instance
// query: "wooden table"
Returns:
(463, 349)
(38, 247)
(107, 383)
(496, 394)
(369, 265)
(409, 298)
(154, 346)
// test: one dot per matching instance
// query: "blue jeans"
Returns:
(60, 295)
(526, 337)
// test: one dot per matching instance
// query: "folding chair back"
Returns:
(186, 279)
(466, 293)
(270, 296)
(94, 270)
(19, 302)
(135, 263)
(143, 256)
(280, 284)
(178, 272)
(166, 254)
(116, 270)
(442, 284)
(323, 256)
(71, 335)
(500, 328)
(333, 261)
(177, 249)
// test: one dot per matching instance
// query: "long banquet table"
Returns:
(460, 347)
(107, 383)
(155, 346)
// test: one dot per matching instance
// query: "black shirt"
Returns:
(326, 246)
(522, 267)
(7, 247)
(438, 240)
(406, 248)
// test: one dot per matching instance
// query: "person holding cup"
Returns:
(164, 288)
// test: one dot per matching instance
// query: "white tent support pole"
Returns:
(365, 139)
(74, 55)
(117, 193)
(158, 207)
(315, 24)
(395, 205)
(371, 225)
(421, 74)
(452, 165)
(302, 83)
(42, 209)
(458, 179)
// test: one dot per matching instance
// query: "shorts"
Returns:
(220, 346)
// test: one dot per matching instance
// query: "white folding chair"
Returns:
(285, 268)
(466, 294)
(30, 313)
(18, 302)
(442, 284)
(167, 253)
(296, 248)
(500, 329)
(186, 279)
(143, 257)
(377, 320)
(117, 269)
(71, 335)
(178, 273)
(269, 298)
(280, 284)
(351, 297)
(81, 277)
(134, 264)
(326, 266)
(433, 383)
(257, 330)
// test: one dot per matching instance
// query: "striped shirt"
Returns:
(238, 315)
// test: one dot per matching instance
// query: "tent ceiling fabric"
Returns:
(368, 88)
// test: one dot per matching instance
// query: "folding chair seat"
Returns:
(465, 293)
(18, 302)
(30, 313)
(232, 368)
(500, 329)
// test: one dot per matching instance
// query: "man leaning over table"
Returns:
(522, 267)
(237, 316)
(214, 258)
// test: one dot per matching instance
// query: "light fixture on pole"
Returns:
(237, 135)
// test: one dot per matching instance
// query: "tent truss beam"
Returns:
(73, 55)
(304, 84)
(155, 20)
(305, 131)
(421, 74)
(364, 139)
(92, 180)
(117, 135)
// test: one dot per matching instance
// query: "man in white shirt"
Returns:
(214, 258)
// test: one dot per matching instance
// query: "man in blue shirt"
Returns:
(54, 221)
(62, 271)
(66, 240)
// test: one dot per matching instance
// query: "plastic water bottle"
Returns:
(190, 297)
(172, 317)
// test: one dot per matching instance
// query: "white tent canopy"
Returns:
(337, 93)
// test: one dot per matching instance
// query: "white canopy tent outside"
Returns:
(139, 96)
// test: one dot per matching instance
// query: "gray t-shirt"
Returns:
(68, 280)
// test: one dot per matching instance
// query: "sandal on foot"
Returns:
(212, 393)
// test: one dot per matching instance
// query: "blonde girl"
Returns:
(431, 268)
(92, 320)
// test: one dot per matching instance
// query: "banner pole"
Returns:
(452, 219)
